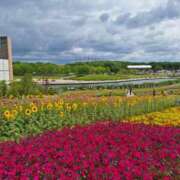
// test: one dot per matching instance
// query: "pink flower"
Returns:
(99, 151)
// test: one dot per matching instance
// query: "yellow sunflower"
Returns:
(74, 106)
(34, 109)
(28, 112)
(32, 104)
(68, 107)
(7, 114)
(49, 106)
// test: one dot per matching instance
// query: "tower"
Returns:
(6, 68)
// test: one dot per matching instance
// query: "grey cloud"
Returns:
(104, 17)
(115, 47)
(159, 48)
(122, 19)
(79, 21)
(170, 11)
(53, 29)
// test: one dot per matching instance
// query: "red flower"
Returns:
(98, 151)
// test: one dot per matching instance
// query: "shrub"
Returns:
(3, 88)
(25, 86)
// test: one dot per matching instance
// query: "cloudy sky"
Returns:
(66, 30)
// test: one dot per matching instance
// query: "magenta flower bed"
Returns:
(99, 151)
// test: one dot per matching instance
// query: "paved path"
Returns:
(69, 82)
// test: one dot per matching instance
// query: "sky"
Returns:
(62, 31)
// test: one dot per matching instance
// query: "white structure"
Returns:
(130, 93)
(139, 67)
(6, 68)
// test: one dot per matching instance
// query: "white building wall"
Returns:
(4, 70)
(139, 67)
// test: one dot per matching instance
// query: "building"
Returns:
(139, 67)
(6, 68)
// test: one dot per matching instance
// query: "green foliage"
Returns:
(21, 68)
(165, 65)
(85, 68)
(3, 88)
(26, 84)
(19, 88)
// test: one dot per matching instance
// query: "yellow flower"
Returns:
(32, 104)
(68, 107)
(58, 106)
(61, 114)
(104, 99)
(168, 117)
(85, 104)
(28, 112)
(20, 108)
(34, 109)
(60, 102)
(119, 100)
(49, 106)
(14, 112)
(7, 114)
(74, 106)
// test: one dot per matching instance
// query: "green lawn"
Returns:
(97, 77)
(40, 77)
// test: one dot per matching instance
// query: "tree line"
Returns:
(84, 68)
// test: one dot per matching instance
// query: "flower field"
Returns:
(98, 151)
(32, 115)
(87, 137)
(169, 117)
